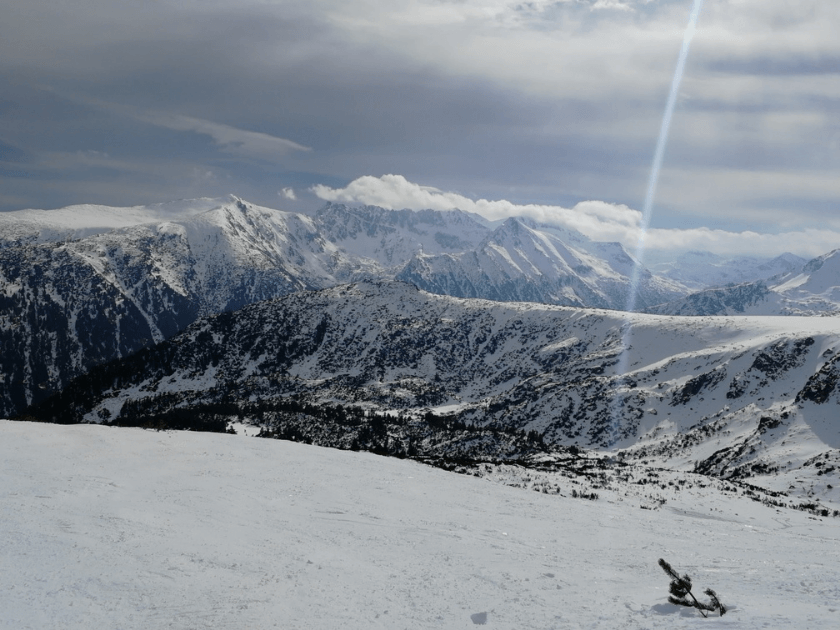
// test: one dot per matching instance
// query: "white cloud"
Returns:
(93, 156)
(612, 4)
(599, 220)
(392, 192)
(288, 193)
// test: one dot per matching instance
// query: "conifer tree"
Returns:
(680, 591)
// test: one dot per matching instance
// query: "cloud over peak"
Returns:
(599, 220)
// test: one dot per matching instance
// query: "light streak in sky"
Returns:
(660, 154)
(635, 276)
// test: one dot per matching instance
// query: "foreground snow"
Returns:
(123, 528)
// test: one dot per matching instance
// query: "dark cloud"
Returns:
(358, 110)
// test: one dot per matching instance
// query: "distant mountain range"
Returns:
(83, 285)
(87, 284)
(700, 270)
(810, 289)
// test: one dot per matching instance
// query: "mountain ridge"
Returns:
(744, 398)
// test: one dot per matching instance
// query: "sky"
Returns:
(549, 108)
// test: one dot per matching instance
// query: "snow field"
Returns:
(124, 528)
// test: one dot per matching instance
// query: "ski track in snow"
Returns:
(124, 528)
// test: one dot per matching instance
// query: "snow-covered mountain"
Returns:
(66, 305)
(740, 397)
(524, 261)
(700, 270)
(461, 254)
(86, 284)
(811, 289)
(815, 288)
(75, 222)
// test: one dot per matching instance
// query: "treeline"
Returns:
(392, 434)
(396, 434)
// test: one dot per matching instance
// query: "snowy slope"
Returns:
(816, 287)
(734, 397)
(752, 298)
(244, 253)
(106, 528)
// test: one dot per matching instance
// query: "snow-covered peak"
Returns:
(567, 235)
(807, 289)
(519, 248)
(528, 261)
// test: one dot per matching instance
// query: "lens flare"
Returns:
(660, 154)
(647, 211)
